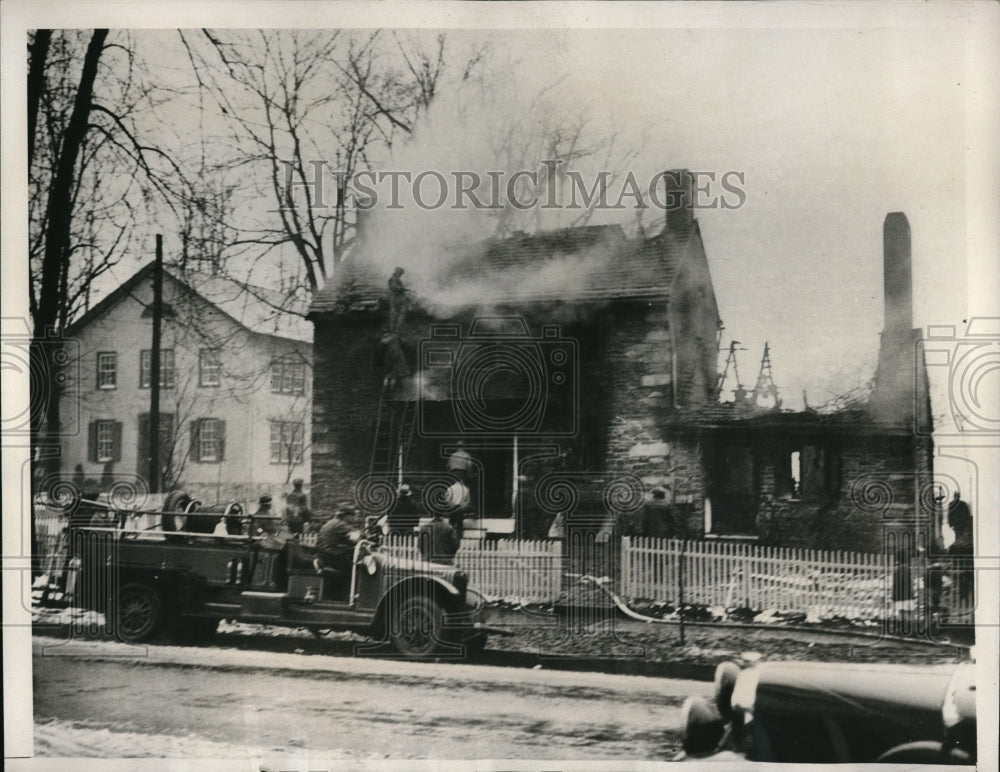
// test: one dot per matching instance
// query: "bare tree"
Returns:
(306, 111)
(90, 170)
(551, 138)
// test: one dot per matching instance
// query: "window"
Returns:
(107, 370)
(808, 472)
(104, 440)
(209, 367)
(288, 376)
(166, 368)
(208, 440)
(287, 439)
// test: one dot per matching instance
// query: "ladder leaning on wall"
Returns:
(394, 427)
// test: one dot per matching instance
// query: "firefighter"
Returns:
(263, 521)
(437, 541)
(334, 549)
(297, 513)
(398, 300)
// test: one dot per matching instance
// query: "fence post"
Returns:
(680, 587)
(626, 567)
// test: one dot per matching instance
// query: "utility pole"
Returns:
(154, 371)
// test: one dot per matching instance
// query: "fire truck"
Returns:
(183, 582)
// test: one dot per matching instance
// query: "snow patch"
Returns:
(75, 739)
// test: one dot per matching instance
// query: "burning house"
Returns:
(586, 356)
(841, 480)
(559, 351)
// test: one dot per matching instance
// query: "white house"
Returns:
(235, 387)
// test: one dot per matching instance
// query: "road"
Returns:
(105, 699)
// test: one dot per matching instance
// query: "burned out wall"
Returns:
(853, 487)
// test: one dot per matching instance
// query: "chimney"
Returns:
(679, 199)
(897, 274)
(893, 395)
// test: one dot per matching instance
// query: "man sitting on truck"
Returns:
(335, 550)
(437, 541)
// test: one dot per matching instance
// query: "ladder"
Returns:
(394, 427)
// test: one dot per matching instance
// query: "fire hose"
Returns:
(601, 584)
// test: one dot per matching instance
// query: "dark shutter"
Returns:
(143, 449)
(221, 429)
(195, 450)
(116, 441)
(92, 442)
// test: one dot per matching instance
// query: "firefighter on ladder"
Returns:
(398, 301)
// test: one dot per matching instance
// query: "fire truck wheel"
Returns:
(140, 613)
(416, 628)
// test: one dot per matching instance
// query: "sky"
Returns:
(833, 118)
(832, 130)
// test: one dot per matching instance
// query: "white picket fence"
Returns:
(728, 575)
(706, 573)
(49, 525)
(513, 570)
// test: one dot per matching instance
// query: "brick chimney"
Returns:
(679, 199)
(897, 273)
(894, 393)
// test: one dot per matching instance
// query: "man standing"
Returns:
(960, 521)
(459, 494)
(437, 541)
(297, 512)
(902, 591)
(394, 364)
(397, 299)
(460, 461)
(459, 502)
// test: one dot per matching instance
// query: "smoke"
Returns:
(550, 279)
(490, 128)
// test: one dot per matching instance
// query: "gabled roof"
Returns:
(576, 264)
(257, 309)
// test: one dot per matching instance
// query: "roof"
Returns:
(588, 263)
(748, 416)
(257, 309)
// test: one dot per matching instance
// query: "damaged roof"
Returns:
(749, 416)
(577, 264)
